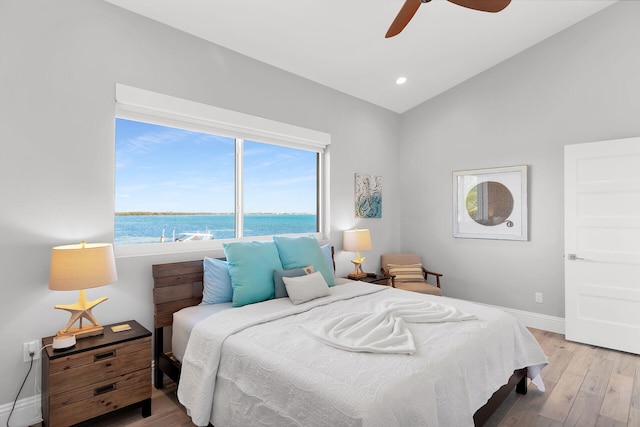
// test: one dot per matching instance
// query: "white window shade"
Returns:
(143, 105)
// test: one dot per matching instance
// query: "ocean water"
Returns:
(136, 229)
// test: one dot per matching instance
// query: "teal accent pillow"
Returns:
(251, 267)
(216, 282)
(280, 288)
(298, 252)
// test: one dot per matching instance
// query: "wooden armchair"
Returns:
(406, 272)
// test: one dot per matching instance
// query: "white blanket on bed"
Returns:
(202, 356)
(272, 374)
(384, 330)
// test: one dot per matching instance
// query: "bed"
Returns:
(276, 368)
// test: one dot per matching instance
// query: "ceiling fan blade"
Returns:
(409, 8)
(483, 5)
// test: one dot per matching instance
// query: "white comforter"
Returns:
(258, 367)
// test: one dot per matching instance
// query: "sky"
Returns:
(163, 169)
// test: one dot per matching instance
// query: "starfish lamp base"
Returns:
(357, 268)
(80, 310)
(83, 331)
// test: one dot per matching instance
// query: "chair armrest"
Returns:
(437, 275)
(390, 277)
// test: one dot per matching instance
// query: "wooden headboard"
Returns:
(175, 286)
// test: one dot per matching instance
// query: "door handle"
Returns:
(573, 257)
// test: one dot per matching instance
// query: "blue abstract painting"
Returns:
(368, 203)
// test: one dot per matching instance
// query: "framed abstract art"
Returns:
(368, 192)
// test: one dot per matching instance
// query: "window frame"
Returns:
(151, 107)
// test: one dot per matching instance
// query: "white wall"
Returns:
(580, 85)
(59, 62)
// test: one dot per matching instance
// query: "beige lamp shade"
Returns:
(82, 266)
(355, 241)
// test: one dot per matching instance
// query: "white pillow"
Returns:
(305, 288)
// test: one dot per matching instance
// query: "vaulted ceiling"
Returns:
(341, 43)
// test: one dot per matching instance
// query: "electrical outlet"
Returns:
(539, 297)
(31, 347)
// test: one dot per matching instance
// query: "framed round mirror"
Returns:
(489, 203)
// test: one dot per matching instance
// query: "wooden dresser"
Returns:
(98, 375)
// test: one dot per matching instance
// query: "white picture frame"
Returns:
(491, 203)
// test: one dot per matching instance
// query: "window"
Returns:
(280, 190)
(182, 175)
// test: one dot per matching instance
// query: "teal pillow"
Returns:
(216, 282)
(298, 252)
(251, 267)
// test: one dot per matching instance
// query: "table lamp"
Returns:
(355, 241)
(78, 267)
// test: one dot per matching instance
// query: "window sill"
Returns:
(211, 247)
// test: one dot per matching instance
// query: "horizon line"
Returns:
(149, 213)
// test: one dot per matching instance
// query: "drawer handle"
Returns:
(104, 389)
(103, 356)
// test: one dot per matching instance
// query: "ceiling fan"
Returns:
(410, 8)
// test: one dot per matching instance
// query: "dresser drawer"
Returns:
(77, 405)
(90, 367)
(102, 388)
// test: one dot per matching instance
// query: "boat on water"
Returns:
(188, 237)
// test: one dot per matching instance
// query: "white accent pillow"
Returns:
(305, 288)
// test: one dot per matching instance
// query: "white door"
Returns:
(602, 243)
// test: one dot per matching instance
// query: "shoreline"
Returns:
(142, 213)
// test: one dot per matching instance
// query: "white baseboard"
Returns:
(535, 320)
(26, 413)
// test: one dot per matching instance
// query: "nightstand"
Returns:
(96, 376)
(376, 279)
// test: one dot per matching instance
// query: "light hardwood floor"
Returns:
(585, 386)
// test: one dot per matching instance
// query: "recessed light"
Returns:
(401, 80)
